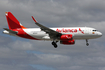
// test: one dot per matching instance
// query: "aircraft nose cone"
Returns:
(100, 34)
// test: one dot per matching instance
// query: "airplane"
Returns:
(66, 35)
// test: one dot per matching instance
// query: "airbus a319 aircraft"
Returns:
(66, 35)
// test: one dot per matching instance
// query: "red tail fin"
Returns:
(13, 23)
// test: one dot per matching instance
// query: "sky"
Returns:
(22, 54)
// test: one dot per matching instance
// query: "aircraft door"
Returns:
(87, 31)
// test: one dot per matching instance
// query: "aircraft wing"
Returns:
(53, 34)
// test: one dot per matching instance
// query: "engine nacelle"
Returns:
(68, 42)
(66, 37)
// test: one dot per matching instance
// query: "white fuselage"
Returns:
(77, 32)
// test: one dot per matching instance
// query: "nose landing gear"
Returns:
(87, 42)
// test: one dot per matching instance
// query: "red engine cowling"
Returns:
(68, 42)
(66, 37)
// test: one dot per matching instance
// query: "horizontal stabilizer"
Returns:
(13, 32)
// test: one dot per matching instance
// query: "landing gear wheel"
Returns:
(54, 44)
(87, 44)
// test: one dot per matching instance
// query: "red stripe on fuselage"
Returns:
(23, 34)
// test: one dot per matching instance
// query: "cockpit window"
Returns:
(95, 30)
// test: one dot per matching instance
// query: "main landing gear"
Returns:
(87, 42)
(55, 44)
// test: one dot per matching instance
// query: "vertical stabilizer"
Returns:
(13, 23)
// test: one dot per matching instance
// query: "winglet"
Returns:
(34, 19)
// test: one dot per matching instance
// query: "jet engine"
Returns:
(68, 42)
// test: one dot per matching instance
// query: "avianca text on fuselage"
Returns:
(63, 30)
(66, 36)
